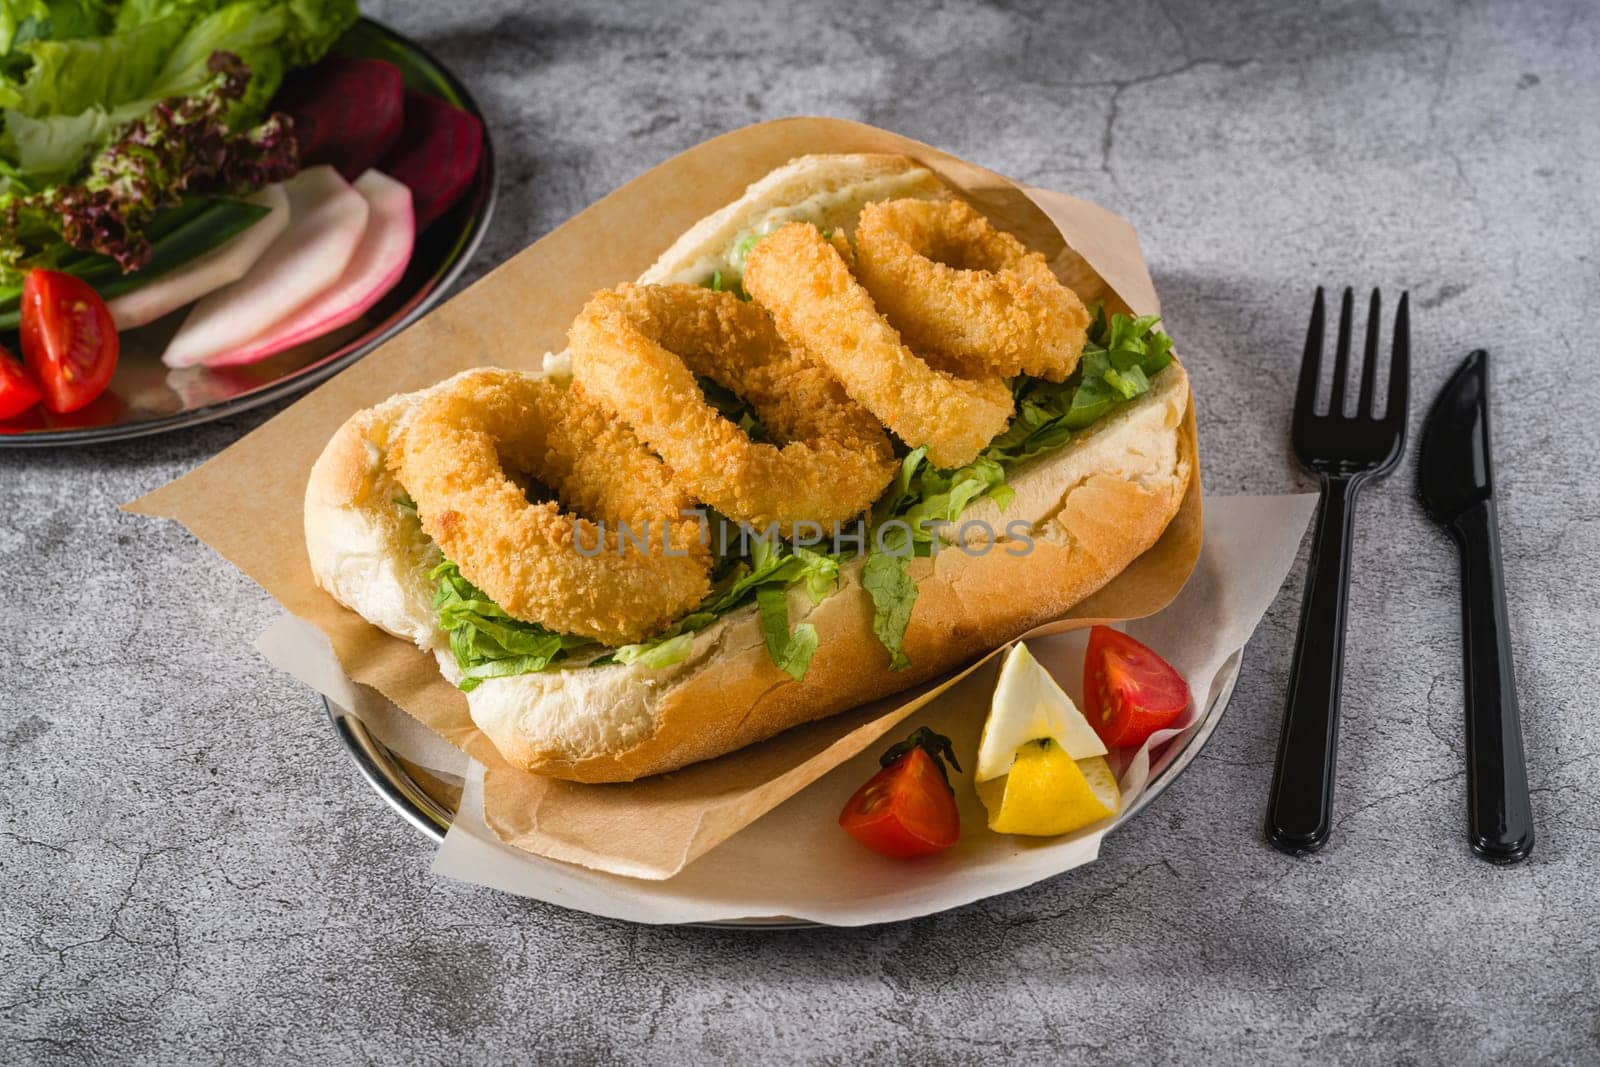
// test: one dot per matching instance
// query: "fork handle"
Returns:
(1300, 807)
(1500, 816)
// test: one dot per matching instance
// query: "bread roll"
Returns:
(1090, 509)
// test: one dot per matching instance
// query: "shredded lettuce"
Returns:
(719, 284)
(657, 654)
(791, 650)
(887, 579)
(489, 643)
(764, 578)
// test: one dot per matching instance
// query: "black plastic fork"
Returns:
(1344, 452)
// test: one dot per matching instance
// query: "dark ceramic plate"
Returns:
(146, 397)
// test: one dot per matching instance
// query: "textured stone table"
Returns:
(190, 867)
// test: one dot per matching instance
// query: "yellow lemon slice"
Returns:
(1049, 793)
(1029, 705)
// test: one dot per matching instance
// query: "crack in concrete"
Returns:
(1121, 85)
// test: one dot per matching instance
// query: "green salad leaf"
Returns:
(66, 77)
(657, 654)
(489, 643)
(790, 650)
(887, 579)
(719, 284)
(67, 94)
(731, 407)
(22, 21)
(308, 27)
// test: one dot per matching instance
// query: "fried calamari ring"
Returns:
(638, 348)
(451, 457)
(821, 309)
(954, 285)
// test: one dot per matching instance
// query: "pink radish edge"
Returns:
(223, 265)
(327, 219)
(377, 264)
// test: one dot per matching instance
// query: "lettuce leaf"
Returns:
(731, 407)
(487, 642)
(47, 149)
(657, 654)
(887, 580)
(303, 30)
(790, 651)
(68, 77)
(248, 30)
(65, 93)
(22, 21)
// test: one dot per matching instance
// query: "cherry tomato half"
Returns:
(18, 390)
(1129, 692)
(68, 339)
(905, 810)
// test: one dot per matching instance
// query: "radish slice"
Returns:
(379, 261)
(326, 220)
(221, 266)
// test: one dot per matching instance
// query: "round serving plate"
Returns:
(429, 803)
(145, 397)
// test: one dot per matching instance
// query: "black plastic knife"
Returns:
(1458, 491)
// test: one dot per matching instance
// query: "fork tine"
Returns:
(1341, 357)
(1369, 365)
(1400, 365)
(1305, 399)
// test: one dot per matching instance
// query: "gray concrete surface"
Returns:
(191, 870)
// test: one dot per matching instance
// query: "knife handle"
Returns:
(1499, 812)
(1300, 807)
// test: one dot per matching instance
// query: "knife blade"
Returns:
(1456, 483)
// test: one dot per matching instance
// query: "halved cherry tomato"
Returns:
(68, 339)
(907, 809)
(1129, 692)
(18, 390)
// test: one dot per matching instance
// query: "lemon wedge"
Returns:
(1049, 793)
(1028, 705)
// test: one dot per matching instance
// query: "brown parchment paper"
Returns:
(246, 501)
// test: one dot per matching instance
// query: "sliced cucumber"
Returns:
(183, 233)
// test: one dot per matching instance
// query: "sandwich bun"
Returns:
(1090, 509)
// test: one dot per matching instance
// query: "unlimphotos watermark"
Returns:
(895, 537)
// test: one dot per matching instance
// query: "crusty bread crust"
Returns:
(808, 178)
(1094, 507)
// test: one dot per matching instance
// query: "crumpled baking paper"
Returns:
(795, 862)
